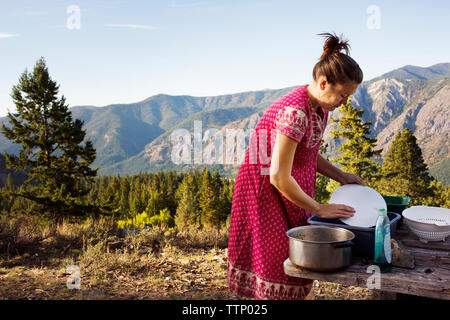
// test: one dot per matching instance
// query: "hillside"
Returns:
(18, 177)
(391, 104)
(135, 137)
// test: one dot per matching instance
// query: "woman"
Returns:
(270, 197)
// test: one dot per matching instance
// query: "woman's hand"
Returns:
(349, 178)
(331, 211)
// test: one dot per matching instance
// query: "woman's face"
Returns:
(332, 96)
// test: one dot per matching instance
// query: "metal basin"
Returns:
(320, 248)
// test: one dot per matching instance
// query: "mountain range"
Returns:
(136, 137)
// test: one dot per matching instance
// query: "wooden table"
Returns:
(430, 278)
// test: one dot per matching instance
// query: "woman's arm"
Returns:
(280, 176)
(327, 169)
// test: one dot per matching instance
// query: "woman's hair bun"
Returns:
(333, 45)
(337, 66)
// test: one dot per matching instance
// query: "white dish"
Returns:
(366, 201)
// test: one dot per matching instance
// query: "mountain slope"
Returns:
(157, 155)
(390, 104)
(393, 105)
(135, 137)
(421, 73)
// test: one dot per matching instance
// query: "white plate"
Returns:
(366, 201)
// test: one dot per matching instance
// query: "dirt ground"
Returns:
(196, 274)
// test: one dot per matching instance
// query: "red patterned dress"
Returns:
(260, 214)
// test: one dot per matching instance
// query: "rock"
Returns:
(400, 255)
(156, 247)
(143, 251)
(110, 246)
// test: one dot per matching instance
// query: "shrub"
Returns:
(163, 220)
(137, 222)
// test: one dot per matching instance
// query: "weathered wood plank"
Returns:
(431, 253)
(411, 240)
(354, 275)
(348, 274)
(430, 277)
(398, 280)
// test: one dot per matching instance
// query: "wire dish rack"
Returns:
(428, 223)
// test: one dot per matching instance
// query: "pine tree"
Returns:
(217, 181)
(9, 185)
(404, 172)
(441, 195)
(156, 203)
(227, 199)
(211, 214)
(134, 201)
(51, 151)
(356, 152)
(7, 202)
(124, 191)
(187, 211)
(321, 193)
(169, 193)
(219, 185)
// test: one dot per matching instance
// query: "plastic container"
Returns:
(397, 205)
(364, 237)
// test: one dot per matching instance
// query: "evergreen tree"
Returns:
(169, 193)
(227, 198)
(156, 203)
(187, 211)
(7, 202)
(211, 214)
(354, 155)
(9, 185)
(441, 195)
(124, 191)
(404, 172)
(217, 181)
(51, 151)
(219, 185)
(134, 199)
(321, 193)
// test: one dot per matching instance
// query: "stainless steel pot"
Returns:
(320, 248)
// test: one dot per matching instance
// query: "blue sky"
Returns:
(126, 51)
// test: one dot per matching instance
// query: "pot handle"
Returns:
(344, 244)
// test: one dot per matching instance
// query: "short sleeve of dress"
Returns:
(292, 122)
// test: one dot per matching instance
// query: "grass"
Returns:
(188, 265)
